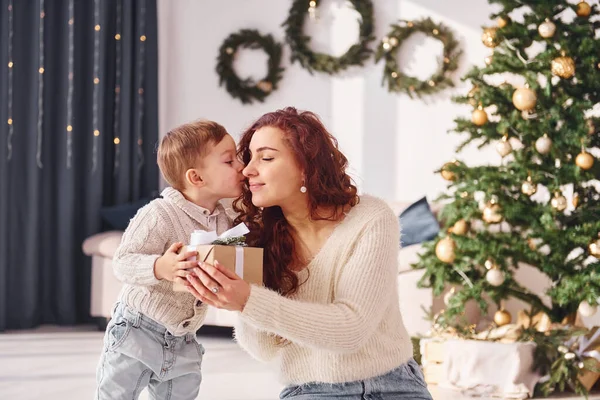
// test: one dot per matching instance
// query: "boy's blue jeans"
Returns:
(139, 352)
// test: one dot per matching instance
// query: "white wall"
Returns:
(393, 143)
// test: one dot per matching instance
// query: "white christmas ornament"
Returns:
(543, 145)
(495, 277)
(586, 309)
(547, 29)
(504, 148)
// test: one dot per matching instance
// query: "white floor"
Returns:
(59, 364)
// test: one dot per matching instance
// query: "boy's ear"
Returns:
(193, 178)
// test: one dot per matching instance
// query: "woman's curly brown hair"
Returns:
(329, 187)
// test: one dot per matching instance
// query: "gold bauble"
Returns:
(491, 213)
(547, 29)
(558, 202)
(584, 160)
(479, 117)
(528, 187)
(502, 317)
(460, 227)
(575, 200)
(490, 37)
(265, 86)
(471, 95)
(583, 9)
(594, 247)
(591, 127)
(524, 99)
(446, 173)
(502, 21)
(445, 250)
(563, 67)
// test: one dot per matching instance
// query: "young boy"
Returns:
(151, 340)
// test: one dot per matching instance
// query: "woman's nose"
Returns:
(249, 170)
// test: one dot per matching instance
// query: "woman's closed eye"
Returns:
(267, 158)
(229, 162)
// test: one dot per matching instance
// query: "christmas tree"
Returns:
(541, 205)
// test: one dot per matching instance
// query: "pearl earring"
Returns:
(303, 189)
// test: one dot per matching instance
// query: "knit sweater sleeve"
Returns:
(143, 242)
(259, 344)
(361, 296)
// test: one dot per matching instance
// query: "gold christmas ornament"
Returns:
(446, 173)
(528, 187)
(445, 250)
(547, 29)
(489, 59)
(479, 116)
(460, 227)
(544, 144)
(558, 202)
(503, 147)
(594, 247)
(575, 200)
(584, 160)
(563, 67)
(265, 86)
(491, 213)
(490, 37)
(471, 95)
(586, 309)
(524, 99)
(503, 21)
(583, 9)
(591, 127)
(502, 317)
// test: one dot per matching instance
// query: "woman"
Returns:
(329, 310)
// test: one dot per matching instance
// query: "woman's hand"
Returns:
(219, 287)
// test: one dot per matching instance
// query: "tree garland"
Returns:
(321, 62)
(398, 81)
(247, 89)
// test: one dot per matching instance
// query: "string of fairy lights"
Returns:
(10, 122)
(97, 100)
(141, 80)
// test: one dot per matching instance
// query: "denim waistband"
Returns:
(137, 319)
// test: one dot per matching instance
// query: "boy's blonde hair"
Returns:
(182, 147)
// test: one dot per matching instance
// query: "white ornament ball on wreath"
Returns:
(586, 309)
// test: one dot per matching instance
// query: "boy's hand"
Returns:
(172, 266)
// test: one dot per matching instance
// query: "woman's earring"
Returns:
(303, 189)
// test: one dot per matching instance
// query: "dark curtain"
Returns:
(78, 130)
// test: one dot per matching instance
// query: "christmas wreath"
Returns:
(400, 82)
(247, 89)
(312, 61)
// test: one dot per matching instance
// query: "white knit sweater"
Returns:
(154, 228)
(344, 323)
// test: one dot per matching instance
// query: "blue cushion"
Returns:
(418, 223)
(118, 217)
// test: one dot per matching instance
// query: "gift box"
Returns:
(231, 252)
(480, 367)
(589, 351)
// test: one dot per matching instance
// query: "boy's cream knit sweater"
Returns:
(344, 323)
(154, 228)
